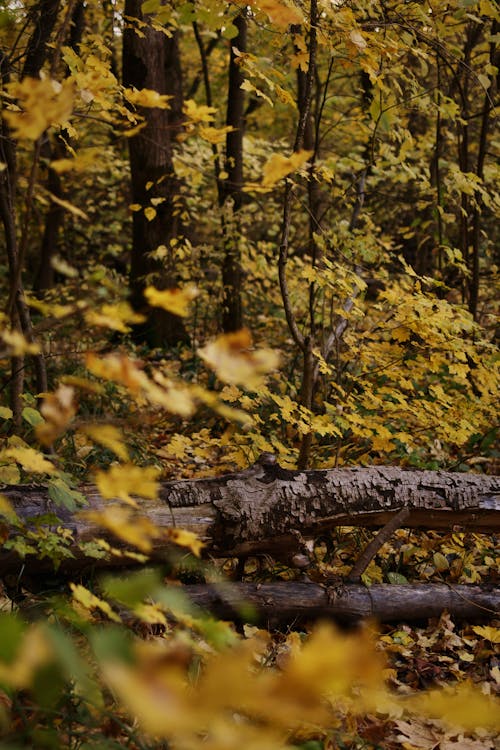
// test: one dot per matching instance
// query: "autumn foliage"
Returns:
(211, 251)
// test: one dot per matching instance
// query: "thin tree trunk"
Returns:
(232, 311)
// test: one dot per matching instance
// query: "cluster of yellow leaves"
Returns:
(41, 102)
(175, 397)
(316, 683)
(29, 458)
(110, 437)
(92, 76)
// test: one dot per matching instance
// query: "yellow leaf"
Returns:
(465, 707)
(358, 39)
(6, 509)
(116, 317)
(110, 437)
(147, 98)
(280, 166)
(69, 207)
(185, 539)
(175, 301)
(85, 159)
(150, 613)
(440, 562)
(9, 474)
(18, 344)
(215, 135)
(63, 267)
(42, 102)
(127, 526)
(58, 409)
(89, 601)
(125, 480)
(29, 459)
(149, 213)
(119, 368)
(279, 13)
(198, 112)
(34, 652)
(232, 358)
(285, 97)
(487, 631)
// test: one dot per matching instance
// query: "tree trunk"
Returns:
(269, 510)
(232, 313)
(154, 185)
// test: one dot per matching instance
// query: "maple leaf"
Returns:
(123, 523)
(29, 459)
(198, 112)
(90, 601)
(147, 98)
(279, 13)
(185, 538)
(487, 631)
(125, 480)
(18, 344)
(58, 409)
(234, 361)
(175, 301)
(280, 166)
(110, 437)
(116, 317)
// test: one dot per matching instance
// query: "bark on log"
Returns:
(267, 509)
(277, 603)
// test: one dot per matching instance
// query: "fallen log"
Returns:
(266, 509)
(274, 604)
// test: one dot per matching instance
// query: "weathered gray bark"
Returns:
(278, 603)
(268, 509)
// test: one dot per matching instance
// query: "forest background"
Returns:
(231, 229)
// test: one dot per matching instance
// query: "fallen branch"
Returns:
(278, 603)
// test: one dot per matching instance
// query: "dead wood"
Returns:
(268, 509)
(292, 603)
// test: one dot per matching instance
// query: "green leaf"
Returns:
(32, 416)
(64, 496)
(112, 643)
(5, 412)
(396, 578)
(440, 562)
(9, 474)
(132, 589)
(11, 631)
(73, 665)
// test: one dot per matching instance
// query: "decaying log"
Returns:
(268, 509)
(277, 603)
